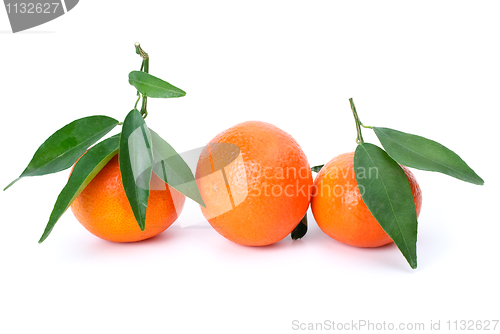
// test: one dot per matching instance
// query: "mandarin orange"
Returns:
(103, 208)
(255, 181)
(338, 207)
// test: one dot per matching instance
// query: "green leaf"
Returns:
(136, 163)
(300, 230)
(152, 86)
(316, 169)
(425, 154)
(172, 169)
(387, 194)
(66, 145)
(89, 165)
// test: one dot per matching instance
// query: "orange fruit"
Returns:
(103, 208)
(255, 181)
(338, 207)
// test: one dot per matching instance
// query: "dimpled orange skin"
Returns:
(339, 209)
(263, 217)
(103, 208)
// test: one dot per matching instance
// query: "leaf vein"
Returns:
(392, 207)
(424, 157)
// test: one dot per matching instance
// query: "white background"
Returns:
(428, 67)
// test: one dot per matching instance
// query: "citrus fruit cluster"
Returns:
(253, 181)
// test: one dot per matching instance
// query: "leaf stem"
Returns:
(144, 111)
(359, 138)
(144, 68)
(137, 101)
(144, 56)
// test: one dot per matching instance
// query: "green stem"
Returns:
(359, 138)
(144, 68)
(144, 56)
(144, 111)
(137, 101)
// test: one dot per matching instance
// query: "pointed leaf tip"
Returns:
(10, 184)
(89, 165)
(316, 169)
(61, 150)
(425, 154)
(386, 192)
(151, 86)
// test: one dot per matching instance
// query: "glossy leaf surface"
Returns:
(136, 164)
(425, 154)
(61, 150)
(84, 171)
(172, 169)
(387, 194)
(152, 86)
